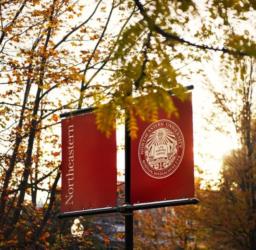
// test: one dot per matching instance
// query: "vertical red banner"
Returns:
(162, 164)
(88, 165)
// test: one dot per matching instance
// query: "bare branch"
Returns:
(154, 27)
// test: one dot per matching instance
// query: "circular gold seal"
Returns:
(161, 149)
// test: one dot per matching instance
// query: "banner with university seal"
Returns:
(88, 165)
(162, 165)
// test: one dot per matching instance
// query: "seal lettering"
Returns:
(161, 149)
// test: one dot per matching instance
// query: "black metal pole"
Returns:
(129, 213)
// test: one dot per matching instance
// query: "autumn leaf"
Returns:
(55, 154)
(55, 117)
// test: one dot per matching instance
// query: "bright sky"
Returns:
(210, 146)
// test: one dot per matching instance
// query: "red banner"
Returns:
(88, 165)
(162, 165)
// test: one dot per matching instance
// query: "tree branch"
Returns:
(154, 27)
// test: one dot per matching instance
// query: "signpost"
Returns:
(158, 166)
(129, 212)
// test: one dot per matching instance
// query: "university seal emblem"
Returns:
(161, 149)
